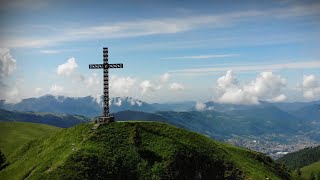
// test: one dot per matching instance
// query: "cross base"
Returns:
(105, 120)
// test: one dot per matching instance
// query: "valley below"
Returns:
(273, 148)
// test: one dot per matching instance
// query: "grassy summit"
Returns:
(136, 150)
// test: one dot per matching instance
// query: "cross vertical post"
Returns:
(105, 83)
(105, 118)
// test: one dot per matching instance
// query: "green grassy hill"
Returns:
(312, 169)
(15, 134)
(136, 150)
(301, 158)
(307, 161)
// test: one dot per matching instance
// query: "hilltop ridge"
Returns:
(136, 150)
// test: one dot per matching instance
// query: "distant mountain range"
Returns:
(220, 122)
(88, 106)
(280, 125)
(227, 120)
(223, 125)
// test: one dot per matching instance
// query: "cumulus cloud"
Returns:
(200, 106)
(67, 68)
(78, 78)
(7, 63)
(165, 77)
(139, 103)
(118, 102)
(56, 89)
(93, 80)
(266, 86)
(9, 93)
(120, 86)
(311, 87)
(134, 102)
(38, 91)
(97, 98)
(229, 91)
(147, 87)
(203, 107)
(237, 96)
(176, 87)
(229, 80)
(279, 98)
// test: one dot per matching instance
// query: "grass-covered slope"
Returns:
(15, 134)
(58, 120)
(311, 170)
(136, 150)
(301, 158)
(307, 161)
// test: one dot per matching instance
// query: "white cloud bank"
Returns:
(118, 102)
(56, 89)
(311, 87)
(92, 85)
(203, 107)
(176, 87)
(147, 87)
(165, 77)
(120, 86)
(200, 106)
(11, 95)
(38, 91)
(266, 86)
(7, 63)
(279, 98)
(67, 68)
(93, 81)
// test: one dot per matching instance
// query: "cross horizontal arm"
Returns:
(95, 66)
(115, 65)
(103, 66)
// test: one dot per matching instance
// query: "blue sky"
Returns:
(172, 50)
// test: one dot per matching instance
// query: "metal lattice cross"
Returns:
(105, 66)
